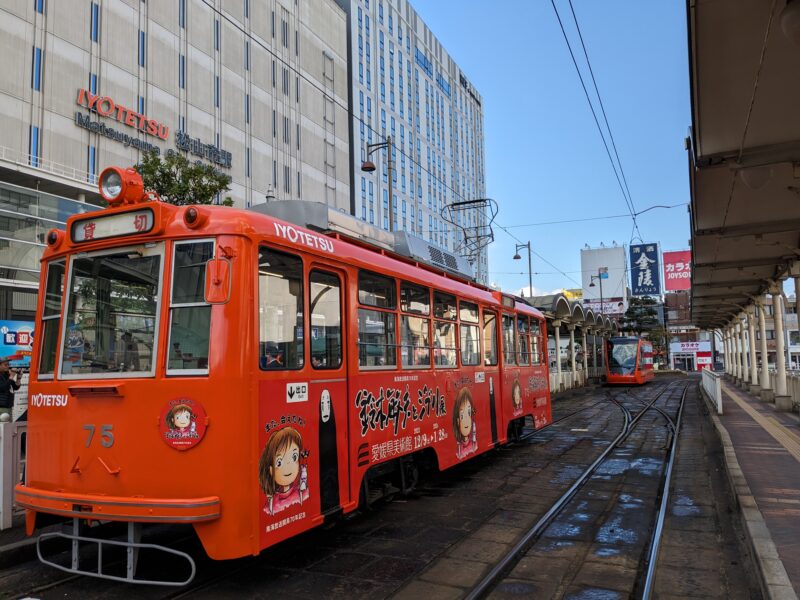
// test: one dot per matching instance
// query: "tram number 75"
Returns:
(106, 435)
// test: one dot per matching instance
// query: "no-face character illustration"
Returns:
(516, 397)
(181, 419)
(282, 475)
(464, 428)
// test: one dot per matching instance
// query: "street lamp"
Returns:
(602, 273)
(518, 257)
(368, 167)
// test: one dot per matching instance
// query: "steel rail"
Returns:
(513, 556)
(656, 540)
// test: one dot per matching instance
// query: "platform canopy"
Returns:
(744, 151)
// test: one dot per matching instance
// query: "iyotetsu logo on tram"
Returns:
(58, 400)
(303, 237)
(106, 107)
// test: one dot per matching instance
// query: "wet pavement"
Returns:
(439, 542)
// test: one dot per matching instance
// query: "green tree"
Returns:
(179, 181)
(641, 315)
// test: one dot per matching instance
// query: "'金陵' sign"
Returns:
(677, 270)
(644, 270)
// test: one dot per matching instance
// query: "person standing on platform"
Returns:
(7, 387)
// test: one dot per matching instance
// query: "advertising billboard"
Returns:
(645, 280)
(16, 342)
(607, 269)
(677, 270)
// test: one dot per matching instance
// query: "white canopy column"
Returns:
(782, 400)
(755, 388)
(767, 392)
(745, 367)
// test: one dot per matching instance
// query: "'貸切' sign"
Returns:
(644, 270)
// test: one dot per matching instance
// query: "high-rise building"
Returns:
(405, 86)
(258, 89)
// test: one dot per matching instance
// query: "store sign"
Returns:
(105, 106)
(196, 146)
(86, 122)
(677, 270)
(611, 306)
(690, 347)
(16, 342)
(644, 270)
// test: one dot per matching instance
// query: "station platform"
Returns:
(762, 453)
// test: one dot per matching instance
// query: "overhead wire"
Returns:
(628, 203)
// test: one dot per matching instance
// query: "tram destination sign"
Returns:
(120, 224)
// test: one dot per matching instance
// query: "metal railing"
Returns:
(712, 384)
(28, 160)
(13, 440)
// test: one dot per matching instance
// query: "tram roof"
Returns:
(744, 153)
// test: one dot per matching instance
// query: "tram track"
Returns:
(503, 567)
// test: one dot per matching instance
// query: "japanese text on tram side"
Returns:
(286, 521)
(393, 406)
(303, 237)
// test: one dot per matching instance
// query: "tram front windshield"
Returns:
(622, 356)
(111, 312)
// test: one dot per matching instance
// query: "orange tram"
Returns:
(629, 360)
(252, 377)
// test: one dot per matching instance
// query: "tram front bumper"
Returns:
(119, 508)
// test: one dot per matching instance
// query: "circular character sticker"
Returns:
(183, 423)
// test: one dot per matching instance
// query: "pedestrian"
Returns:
(7, 387)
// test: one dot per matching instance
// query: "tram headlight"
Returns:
(121, 185)
(110, 185)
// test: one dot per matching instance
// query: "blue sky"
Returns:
(545, 160)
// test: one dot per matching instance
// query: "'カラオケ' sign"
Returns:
(677, 270)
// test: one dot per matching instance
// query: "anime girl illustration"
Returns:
(181, 422)
(281, 474)
(464, 428)
(516, 397)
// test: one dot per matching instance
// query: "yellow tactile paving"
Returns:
(782, 435)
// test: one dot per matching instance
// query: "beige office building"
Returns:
(257, 88)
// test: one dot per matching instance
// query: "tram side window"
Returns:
(326, 321)
(509, 348)
(376, 290)
(444, 306)
(536, 343)
(51, 317)
(444, 344)
(523, 340)
(377, 338)
(414, 331)
(190, 316)
(280, 310)
(470, 345)
(489, 339)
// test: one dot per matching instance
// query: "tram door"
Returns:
(328, 384)
(302, 402)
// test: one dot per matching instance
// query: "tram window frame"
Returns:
(410, 355)
(366, 297)
(495, 347)
(407, 299)
(298, 342)
(328, 365)
(440, 351)
(444, 306)
(51, 318)
(536, 342)
(176, 307)
(387, 315)
(523, 341)
(469, 322)
(154, 250)
(509, 355)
